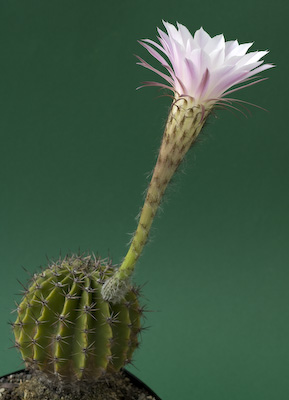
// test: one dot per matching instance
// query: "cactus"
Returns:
(80, 317)
(65, 328)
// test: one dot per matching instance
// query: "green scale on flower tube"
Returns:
(65, 328)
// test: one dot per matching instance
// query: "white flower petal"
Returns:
(217, 58)
(241, 49)
(215, 44)
(230, 46)
(260, 69)
(201, 38)
(185, 33)
(173, 32)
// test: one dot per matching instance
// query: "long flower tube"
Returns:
(202, 71)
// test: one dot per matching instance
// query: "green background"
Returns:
(77, 144)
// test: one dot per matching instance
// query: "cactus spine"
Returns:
(66, 329)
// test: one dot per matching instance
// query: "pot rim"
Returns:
(136, 381)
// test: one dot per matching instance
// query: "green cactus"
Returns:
(66, 329)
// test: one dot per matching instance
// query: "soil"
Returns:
(25, 386)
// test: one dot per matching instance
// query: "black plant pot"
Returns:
(134, 380)
(137, 382)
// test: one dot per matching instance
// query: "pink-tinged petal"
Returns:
(194, 76)
(155, 54)
(195, 58)
(154, 44)
(245, 102)
(201, 91)
(234, 108)
(177, 59)
(227, 83)
(180, 87)
(143, 63)
(165, 41)
(260, 69)
(151, 83)
(243, 86)
(222, 74)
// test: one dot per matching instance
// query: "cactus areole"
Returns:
(65, 328)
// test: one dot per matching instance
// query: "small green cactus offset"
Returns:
(66, 329)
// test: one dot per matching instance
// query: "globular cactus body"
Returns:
(66, 329)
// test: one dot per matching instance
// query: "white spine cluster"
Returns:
(115, 289)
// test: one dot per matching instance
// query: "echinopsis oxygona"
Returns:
(80, 317)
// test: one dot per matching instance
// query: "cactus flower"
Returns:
(202, 67)
(202, 71)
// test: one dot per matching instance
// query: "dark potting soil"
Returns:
(25, 386)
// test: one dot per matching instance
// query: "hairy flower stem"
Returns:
(184, 123)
